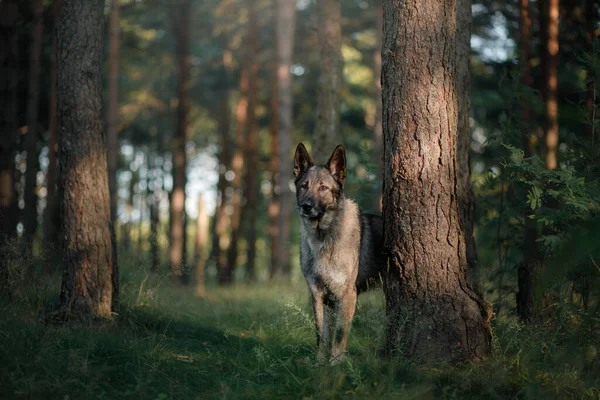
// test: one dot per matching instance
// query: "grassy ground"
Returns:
(258, 342)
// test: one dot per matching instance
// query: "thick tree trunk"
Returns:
(31, 139)
(463, 88)
(286, 26)
(330, 80)
(112, 117)
(550, 48)
(200, 246)
(378, 106)
(51, 216)
(85, 198)
(251, 150)
(8, 129)
(433, 312)
(221, 218)
(177, 203)
(530, 267)
(237, 165)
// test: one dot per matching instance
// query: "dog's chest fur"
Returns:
(330, 257)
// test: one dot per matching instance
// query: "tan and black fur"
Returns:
(341, 249)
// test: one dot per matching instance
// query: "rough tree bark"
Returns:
(51, 216)
(237, 167)
(85, 198)
(200, 246)
(221, 218)
(378, 107)
(112, 120)
(330, 79)
(31, 139)
(177, 203)
(433, 312)
(8, 125)
(251, 149)
(550, 82)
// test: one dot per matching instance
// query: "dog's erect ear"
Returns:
(337, 164)
(302, 161)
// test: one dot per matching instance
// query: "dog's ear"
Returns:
(302, 161)
(337, 164)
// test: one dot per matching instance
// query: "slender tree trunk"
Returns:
(51, 220)
(154, 248)
(433, 312)
(551, 82)
(530, 267)
(590, 102)
(251, 150)
(378, 106)
(237, 169)
(8, 129)
(274, 205)
(85, 198)
(31, 139)
(112, 120)
(330, 80)
(177, 203)
(286, 26)
(200, 246)
(221, 217)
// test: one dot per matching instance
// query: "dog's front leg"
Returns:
(321, 325)
(345, 313)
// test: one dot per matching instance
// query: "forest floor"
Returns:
(258, 342)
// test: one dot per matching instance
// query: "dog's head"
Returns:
(319, 191)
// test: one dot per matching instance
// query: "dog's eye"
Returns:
(304, 185)
(323, 188)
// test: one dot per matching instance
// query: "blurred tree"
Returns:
(275, 203)
(32, 137)
(549, 22)
(51, 213)
(112, 120)
(591, 14)
(85, 198)
(330, 79)
(378, 107)
(8, 131)
(432, 309)
(177, 203)
(249, 212)
(200, 246)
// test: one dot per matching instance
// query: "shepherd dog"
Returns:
(341, 249)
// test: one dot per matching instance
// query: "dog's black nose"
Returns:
(307, 207)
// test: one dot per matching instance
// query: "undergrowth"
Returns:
(258, 342)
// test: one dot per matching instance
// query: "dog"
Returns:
(341, 249)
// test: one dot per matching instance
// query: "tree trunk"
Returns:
(177, 203)
(237, 165)
(112, 119)
(286, 25)
(154, 221)
(433, 312)
(590, 27)
(330, 79)
(31, 139)
(463, 88)
(8, 129)
(378, 107)
(530, 267)
(200, 246)
(274, 205)
(221, 218)
(85, 198)
(550, 49)
(51, 216)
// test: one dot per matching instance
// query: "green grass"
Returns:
(258, 342)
